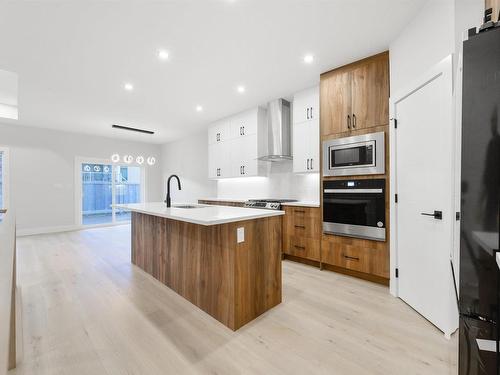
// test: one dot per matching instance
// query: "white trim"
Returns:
(6, 177)
(445, 69)
(64, 228)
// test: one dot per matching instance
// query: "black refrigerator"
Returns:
(480, 184)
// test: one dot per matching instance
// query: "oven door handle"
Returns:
(352, 191)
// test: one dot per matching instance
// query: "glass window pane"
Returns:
(127, 189)
(96, 194)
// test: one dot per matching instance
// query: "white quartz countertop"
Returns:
(202, 214)
(301, 204)
(223, 200)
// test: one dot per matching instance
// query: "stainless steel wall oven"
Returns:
(355, 208)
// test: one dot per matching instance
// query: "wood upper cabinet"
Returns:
(370, 94)
(335, 102)
(355, 96)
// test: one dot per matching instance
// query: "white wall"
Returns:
(42, 172)
(280, 182)
(188, 158)
(425, 41)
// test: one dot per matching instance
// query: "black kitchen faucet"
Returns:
(168, 200)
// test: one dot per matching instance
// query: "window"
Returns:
(102, 186)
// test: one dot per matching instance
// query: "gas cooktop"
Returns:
(269, 204)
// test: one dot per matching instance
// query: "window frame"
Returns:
(79, 160)
(6, 177)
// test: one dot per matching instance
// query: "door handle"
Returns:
(353, 120)
(307, 164)
(308, 113)
(243, 130)
(438, 215)
(311, 112)
(348, 121)
(312, 164)
(350, 257)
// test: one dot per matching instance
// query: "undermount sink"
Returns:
(185, 206)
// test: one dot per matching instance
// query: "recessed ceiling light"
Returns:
(308, 59)
(199, 108)
(163, 54)
(128, 86)
(240, 89)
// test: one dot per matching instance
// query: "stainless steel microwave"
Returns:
(352, 156)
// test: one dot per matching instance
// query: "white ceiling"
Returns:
(73, 57)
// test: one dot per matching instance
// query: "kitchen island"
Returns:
(225, 260)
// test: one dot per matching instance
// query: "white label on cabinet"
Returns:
(240, 234)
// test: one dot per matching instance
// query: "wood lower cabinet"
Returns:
(302, 232)
(369, 257)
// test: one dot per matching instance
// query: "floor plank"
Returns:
(88, 310)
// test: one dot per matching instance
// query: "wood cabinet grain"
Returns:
(335, 102)
(233, 282)
(355, 96)
(302, 232)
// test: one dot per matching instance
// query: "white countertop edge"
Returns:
(223, 200)
(301, 204)
(262, 214)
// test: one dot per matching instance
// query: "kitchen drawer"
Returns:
(302, 247)
(365, 256)
(302, 222)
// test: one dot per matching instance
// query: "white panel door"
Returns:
(301, 145)
(424, 183)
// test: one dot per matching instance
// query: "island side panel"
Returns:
(257, 268)
(193, 260)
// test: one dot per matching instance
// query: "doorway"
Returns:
(101, 185)
(423, 184)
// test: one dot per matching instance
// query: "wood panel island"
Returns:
(225, 260)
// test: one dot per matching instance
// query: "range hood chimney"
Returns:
(279, 131)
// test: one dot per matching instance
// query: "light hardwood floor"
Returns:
(87, 310)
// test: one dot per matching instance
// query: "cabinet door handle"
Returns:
(350, 258)
(307, 164)
(348, 121)
(243, 130)
(299, 211)
(243, 169)
(299, 247)
(353, 120)
(312, 112)
(300, 226)
(312, 164)
(308, 113)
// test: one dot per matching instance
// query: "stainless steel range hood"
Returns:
(279, 131)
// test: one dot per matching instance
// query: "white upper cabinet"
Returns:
(306, 131)
(306, 105)
(244, 124)
(236, 143)
(219, 132)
